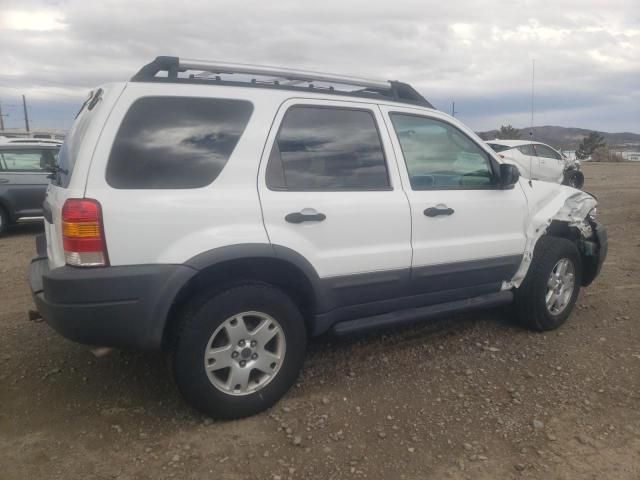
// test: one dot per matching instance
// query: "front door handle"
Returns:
(435, 211)
(306, 215)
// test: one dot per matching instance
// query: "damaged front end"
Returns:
(568, 214)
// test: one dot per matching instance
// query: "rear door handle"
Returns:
(306, 215)
(4, 180)
(435, 211)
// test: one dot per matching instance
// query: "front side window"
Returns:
(26, 161)
(175, 142)
(527, 150)
(322, 148)
(547, 152)
(438, 156)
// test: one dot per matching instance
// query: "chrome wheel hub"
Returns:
(245, 353)
(560, 286)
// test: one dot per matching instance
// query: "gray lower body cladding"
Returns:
(128, 306)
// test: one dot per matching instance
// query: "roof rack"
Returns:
(176, 70)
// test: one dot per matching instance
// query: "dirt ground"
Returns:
(467, 397)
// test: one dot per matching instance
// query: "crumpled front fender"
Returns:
(548, 204)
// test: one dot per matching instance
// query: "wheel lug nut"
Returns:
(254, 356)
(241, 343)
(234, 355)
(242, 363)
(253, 343)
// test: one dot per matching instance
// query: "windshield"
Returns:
(497, 147)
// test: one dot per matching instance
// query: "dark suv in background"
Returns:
(25, 165)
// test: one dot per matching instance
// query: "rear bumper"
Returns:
(124, 307)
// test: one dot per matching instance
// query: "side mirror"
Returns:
(509, 175)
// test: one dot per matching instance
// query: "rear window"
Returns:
(69, 151)
(175, 142)
(497, 147)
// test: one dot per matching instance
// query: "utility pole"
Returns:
(533, 76)
(26, 115)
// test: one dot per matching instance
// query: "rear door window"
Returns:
(175, 142)
(327, 149)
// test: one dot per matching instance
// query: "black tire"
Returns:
(4, 221)
(201, 319)
(530, 305)
(574, 178)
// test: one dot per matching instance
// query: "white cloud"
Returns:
(477, 53)
(32, 20)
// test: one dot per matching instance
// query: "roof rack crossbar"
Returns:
(283, 77)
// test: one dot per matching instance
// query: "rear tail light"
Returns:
(83, 233)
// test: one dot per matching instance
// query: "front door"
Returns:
(468, 234)
(24, 178)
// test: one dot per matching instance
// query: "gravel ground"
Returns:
(467, 397)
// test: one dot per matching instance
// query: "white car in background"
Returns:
(539, 161)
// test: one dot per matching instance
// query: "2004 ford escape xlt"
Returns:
(224, 213)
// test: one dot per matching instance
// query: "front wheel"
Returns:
(548, 293)
(239, 350)
(574, 178)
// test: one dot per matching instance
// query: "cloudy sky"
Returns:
(477, 53)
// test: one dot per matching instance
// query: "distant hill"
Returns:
(568, 138)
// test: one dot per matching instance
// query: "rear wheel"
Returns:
(548, 294)
(4, 221)
(239, 350)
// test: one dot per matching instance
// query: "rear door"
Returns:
(23, 178)
(530, 161)
(330, 192)
(551, 164)
(468, 234)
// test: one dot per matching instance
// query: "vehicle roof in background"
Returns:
(29, 142)
(514, 143)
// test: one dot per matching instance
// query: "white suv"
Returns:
(539, 161)
(225, 213)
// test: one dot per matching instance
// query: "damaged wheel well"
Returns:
(589, 248)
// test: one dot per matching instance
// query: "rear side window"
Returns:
(327, 149)
(26, 161)
(175, 142)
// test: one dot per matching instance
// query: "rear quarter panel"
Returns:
(144, 226)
